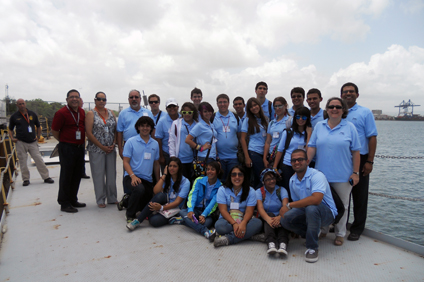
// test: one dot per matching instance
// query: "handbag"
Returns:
(237, 215)
(199, 166)
(171, 212)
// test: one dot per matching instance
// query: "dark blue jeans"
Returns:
(223, 227)
(257, 167)
(226, 166)
(156, 220)
(307, 222)
(200, 228)
(140, 195)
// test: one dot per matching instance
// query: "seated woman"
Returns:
(170, 192)
(236, 202)
(270, 199)
(201, 202)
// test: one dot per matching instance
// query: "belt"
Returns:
(73, 145)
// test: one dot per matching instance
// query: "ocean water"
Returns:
(398, 177)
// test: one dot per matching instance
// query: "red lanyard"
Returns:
(104, 120)
(27, 119)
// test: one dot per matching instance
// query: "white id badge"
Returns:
(106, 129)
(276, 134)
(173, 195)
(264, 133)
(78, 135)
(145, 114)
(147, 156)
(234, 206)
(29, 129)
(226, 128)
(214, 140)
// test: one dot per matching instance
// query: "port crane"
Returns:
(406, 109)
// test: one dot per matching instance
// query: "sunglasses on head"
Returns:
(301, 117)
(335, 106)
(187, 112)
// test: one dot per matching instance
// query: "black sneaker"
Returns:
(121, 203)
(69, 209)
(85, 176)
(353, 237)
(26, 183)
(48, 180)
(78, 205)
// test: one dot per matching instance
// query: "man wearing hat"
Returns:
(162, 131)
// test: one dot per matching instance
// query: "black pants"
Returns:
(140, 195)
(276, 235)
(359, 197)
(71, 159)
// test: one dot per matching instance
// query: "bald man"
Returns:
(26, 138)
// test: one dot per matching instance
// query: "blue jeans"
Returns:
(200, 228)
(258, 166)
(226, 166)
(307, 222)
(156, 220)
(223, 227)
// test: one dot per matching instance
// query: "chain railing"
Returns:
(397, 157)
(8, 158)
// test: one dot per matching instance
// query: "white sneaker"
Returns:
(271, 248)
(282, 249)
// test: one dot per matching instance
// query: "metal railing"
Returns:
(8, 159)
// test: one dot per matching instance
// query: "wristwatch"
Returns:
(288, 206)
(356, 172)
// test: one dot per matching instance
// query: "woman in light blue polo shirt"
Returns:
(236, 202)
(254, 129)
(203, 136)
(300, 132)
(275, 128)
(170, 192)
(336, 144)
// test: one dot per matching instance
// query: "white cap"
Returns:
(171, 101)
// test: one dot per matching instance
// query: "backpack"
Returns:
(264, 195)
(289, 137)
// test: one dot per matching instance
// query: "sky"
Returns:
(170, 47)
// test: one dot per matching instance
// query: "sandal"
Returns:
(101, 205)
(338, 241)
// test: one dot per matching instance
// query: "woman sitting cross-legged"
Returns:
(236, 202)
(271, 198)
(201, 203)
(170, 192)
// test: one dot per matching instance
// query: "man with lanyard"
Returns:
(363, 119)
(297, 95)
(228, 128)
(239, 105)
(127, 118)
(68, 128)
(314, 99)
(154, 102)
(312, 207)
(162, 131)
(26, 141)
(261, 90)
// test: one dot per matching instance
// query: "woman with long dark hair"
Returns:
(236, 202)
(170, 192)
(254, 129)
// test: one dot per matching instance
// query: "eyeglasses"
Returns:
(297, 160)
(278, 107)
(101, 99)
(73, 97)
(269, 179)
(348, 91)
(187, 112)
(134, 97)
(297, 96)
(301, 117)
(153, 102)
(235, 174)
(335, 106)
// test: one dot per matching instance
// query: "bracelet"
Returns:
(161, 208)
(370, 162)
(356, 172)
(201, 149)
(198, 147)
(132, 174)
(234, 223)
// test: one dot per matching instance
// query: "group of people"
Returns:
(268, 168)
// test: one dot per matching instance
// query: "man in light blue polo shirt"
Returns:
(154, 103)
(314, 98)
(227, 126)
(141, 160)
(261, 90)
(162, 131)
(313, 205)
(297, 95)
(239, 106)
(363, 119)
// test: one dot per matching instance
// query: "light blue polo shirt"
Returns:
(226, 128)
(182, 192)
(313, 181)
(162, 115)
(257, 140)
(363, 119)
(203, 133)
(162, 131)
(333, 149)
(275, 128)
(318, 117)
(127, 119)
(185, 153)
(226, 196)
(272, 202)
(265, 108)
(297, 142)
(142, 156)
(291, 111)
(243, 118)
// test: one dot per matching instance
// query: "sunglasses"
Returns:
(297, 160)
(187, 112)
(301, 117)
(278, 107)
(348, 91)
(153, 102)
(134, 97)
(101, 99)
(235, 174)
(335, 106)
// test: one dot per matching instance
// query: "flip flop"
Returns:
(338, 241)
(101, 205)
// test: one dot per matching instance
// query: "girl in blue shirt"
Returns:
(275, 128)
(302, 129)
(236, 202)
(254, 129)
(170, 192)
